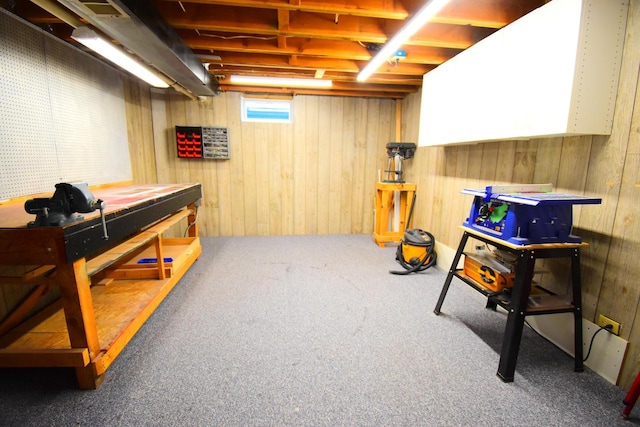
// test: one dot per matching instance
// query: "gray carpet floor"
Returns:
(314, 331)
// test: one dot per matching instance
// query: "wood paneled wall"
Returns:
(606, 167)
(315, 175)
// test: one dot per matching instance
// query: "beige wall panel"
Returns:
(410, 118)
(429, 169)
(572, 171)
(178, 115)
(617, 295)
(446, 193)
(506, 157)
(377, 129)
(229, 173)
(474, 170)
(422, 171)
(140, 131)
(324, 164)
(208, 214)
(262, 176)
(274, 171)
(620, 293)
(311, 142)
(547, 161)
(336, 129)
(228, 117)
(437, 185)
(525, 161)
(489, 165)
(224, 194)
(250, 181)
(165, 152)
(459, 202)
(358, 178)
(348, 164)
(287, 171)
(299, 167)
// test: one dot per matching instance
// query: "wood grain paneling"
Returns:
(315, 175)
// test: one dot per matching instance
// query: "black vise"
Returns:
(61, 208)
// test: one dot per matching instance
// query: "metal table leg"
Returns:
(517, 313)
(576, 284)
(452, 270)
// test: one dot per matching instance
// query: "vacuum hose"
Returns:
(416, 264)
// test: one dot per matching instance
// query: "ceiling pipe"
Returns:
(72, 20)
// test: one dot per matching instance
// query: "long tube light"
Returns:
(108, 50)
(428, 11)
(281, 81)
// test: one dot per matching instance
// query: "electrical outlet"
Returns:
(603, 321)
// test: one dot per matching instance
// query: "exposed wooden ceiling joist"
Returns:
(334, 39)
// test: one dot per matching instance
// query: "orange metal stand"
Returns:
(385, 196)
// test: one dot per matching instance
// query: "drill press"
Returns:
(398, 151)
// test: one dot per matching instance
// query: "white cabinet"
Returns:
(553, 72)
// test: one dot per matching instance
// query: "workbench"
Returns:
(108, 287)
(517, 301)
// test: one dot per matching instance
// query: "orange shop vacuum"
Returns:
(416, 250)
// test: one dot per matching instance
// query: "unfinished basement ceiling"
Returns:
(298, 38)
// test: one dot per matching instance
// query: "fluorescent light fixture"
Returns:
(280, 81)
(428, 11)
(108, 50)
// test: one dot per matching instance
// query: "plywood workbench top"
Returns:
(13, 215)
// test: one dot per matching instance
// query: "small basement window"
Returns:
(266, 110)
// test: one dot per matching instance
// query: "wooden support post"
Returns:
(75, 294)
(160, 258)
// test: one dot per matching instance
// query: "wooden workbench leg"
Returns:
(454, 266)
(75, 294)
(515, 318)
(576, 284)
(383, 203)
